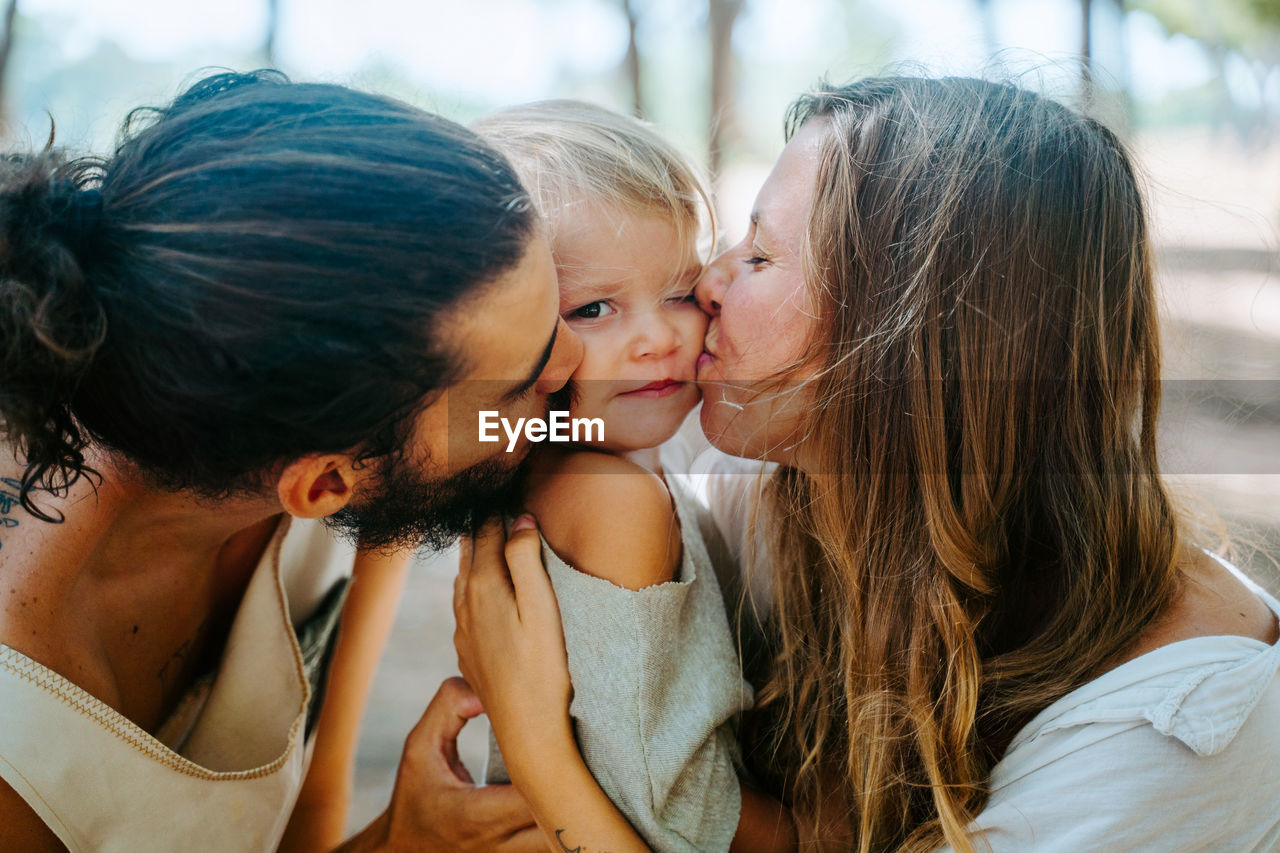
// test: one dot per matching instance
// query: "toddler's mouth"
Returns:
(654, 390)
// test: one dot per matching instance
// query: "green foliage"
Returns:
(1248, 26)
(1267, 12)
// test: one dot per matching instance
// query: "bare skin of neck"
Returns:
(130, 598)
(1212, 602)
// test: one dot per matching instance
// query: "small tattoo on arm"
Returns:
(567, 849)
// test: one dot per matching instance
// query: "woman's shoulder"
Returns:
(1197, 678)
(1176, 749)
(1215, 599)
(1173, 748)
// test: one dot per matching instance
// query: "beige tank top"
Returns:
(223, 773)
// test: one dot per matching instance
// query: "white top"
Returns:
(223, 773)
(1176, 750)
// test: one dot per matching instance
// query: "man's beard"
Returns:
(405, 510)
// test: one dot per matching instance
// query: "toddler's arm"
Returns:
(655, 675)
(606, 516)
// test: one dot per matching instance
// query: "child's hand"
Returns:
(510, 642)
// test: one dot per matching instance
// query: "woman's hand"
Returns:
(511, 649)
(510, 642)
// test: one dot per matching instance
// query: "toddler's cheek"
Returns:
(586, 400)
(690, 398)
(696, 330)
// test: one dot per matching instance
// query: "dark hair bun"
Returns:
(50, 322)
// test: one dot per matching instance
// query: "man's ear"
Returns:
(316, 485)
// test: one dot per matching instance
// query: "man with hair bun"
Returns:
(265, 310)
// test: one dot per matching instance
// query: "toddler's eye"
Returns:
(691, 296)
(592, 311)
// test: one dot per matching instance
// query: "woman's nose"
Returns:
(713, 284)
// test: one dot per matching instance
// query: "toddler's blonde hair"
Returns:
(569, 151)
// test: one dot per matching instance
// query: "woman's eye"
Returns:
(592, 311)
(755, 261)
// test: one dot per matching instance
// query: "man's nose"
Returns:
(566, 355)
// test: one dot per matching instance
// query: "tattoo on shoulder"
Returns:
(10, 489)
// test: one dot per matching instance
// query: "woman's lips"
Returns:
(654, 390)
(704, 359)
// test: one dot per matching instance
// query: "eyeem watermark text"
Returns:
(557, 427)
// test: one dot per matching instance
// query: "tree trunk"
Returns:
(721, 15)
(987, 18)
(6, 50)
(1124, 70)
(1086, 54)
(273, 24)
(1261, 131)
(632, 60)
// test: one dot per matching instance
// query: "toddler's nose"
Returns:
(657, 338)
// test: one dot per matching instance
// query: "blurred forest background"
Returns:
(1193, 85)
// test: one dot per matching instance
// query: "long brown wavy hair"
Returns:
(983, 527)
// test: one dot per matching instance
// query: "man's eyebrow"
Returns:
(537, 369)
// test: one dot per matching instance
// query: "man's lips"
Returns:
(654, 390)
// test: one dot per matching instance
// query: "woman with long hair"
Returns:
(985, 624)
